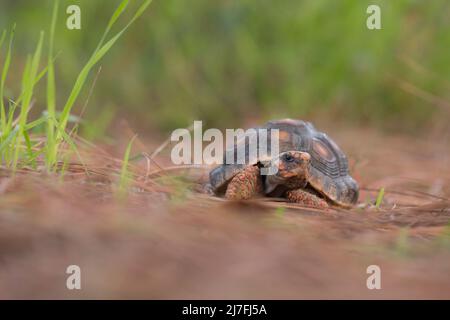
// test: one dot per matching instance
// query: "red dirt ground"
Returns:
(168, 241)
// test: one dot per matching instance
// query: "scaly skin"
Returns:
(306, 198)
(245, 185)
(292, 172)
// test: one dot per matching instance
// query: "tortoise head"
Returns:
(292, 173)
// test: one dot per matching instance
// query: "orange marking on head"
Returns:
(305, 156)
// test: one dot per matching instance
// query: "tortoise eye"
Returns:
(288, 158)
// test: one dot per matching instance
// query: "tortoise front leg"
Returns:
(245, 184)
(306, 198)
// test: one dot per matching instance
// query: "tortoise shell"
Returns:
(329, 174)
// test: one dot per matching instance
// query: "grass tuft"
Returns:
(18, 145)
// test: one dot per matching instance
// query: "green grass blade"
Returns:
(3, 79)
(29, 149)
(70, 142)
(98, 54)
(2, 128)
(124, 175)
(379, 198)
(32, 158)
(28, 82)
(7, 140)
(11, 110)
(280, 211)
(2, 38)
(120, 9)
(37, 79)
(50, 66)
(14, 146)
(26, 73)
(35, 123)
(51, 143)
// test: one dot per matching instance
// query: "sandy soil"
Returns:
(169, 241)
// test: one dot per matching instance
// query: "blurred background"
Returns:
(225, 62)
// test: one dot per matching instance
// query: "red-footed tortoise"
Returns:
(312, 169)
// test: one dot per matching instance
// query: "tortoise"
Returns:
(312, 169)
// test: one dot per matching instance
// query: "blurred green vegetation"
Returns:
(225, 61)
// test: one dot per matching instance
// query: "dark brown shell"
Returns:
(329, 165)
